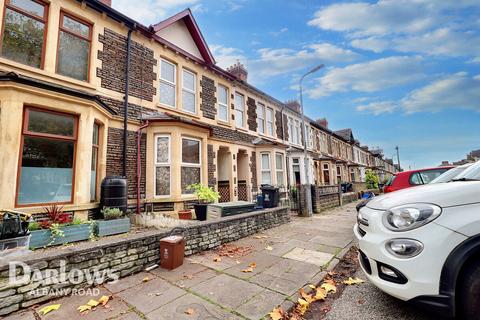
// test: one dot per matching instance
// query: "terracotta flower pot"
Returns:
(185, 214)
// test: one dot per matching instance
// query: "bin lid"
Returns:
(172, 239)
(268, 187)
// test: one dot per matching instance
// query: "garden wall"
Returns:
(110, 258)
(325, 197)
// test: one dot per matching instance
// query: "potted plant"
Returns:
(114, 222)
(185, 214)
(59, 228)
(205, 196)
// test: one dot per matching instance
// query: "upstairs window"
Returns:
(74, 40)
(239, 110)
(222, 98)
(270, 121)
(47, 163)
(168, 76)
(24, 31)
(188, 91)
(261, 118)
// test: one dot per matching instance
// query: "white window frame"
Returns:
(162, 164)
(237, 110)
(261, 117)
(169, 83)
(282, 169)
(220, 104)
(194, 92)
(191, 165)
(262, 169)
(269, 123)
(338, 174)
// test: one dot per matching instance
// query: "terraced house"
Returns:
(86, 92)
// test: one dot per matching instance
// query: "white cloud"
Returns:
(372, 43)
(369, 76)
(151, 11)
(274, 62)
(455, 91)
(377, 108)
(279, 32)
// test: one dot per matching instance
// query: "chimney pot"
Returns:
(323, 122)
(293, 105)
(239, 71)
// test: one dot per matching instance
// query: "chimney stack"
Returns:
(323, 122)
(239, 71)
(107, 2)
(293, 105)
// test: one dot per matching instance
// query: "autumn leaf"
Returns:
(189, 311)
(50, 308)
(217, 259)
(146, 279)
(104, 300)
(311, 286)
(269, 248)
(328, 287)
(303, 306)
(320, 294)
(276, 314)
(331, 281)
(84, 308)
(249, 269)
(352, 281)
(306, 296)
(92, 303)
(252, 265)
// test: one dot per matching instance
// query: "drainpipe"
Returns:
(139, 163)
(125, 108)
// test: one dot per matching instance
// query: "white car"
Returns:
(422, 244)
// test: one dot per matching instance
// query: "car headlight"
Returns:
(410, 216)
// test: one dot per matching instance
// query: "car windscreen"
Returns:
(449, 175)
(429, 175)
(471, 173)
(390, 181)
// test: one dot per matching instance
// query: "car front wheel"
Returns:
(469, 291)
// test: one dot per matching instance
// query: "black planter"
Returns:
(201, 211)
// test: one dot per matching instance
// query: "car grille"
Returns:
(361, 231)
(365, 262)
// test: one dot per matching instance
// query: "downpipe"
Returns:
(139, 162)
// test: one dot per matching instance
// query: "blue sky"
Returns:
(398, 72)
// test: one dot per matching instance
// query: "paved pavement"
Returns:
(365, 301)
(287, 258)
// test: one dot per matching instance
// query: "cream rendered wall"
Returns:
(179, 35)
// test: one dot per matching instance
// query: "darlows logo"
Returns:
(48, 279)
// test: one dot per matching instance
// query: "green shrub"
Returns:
(112, 213)
(34, 225)
(371, 179)
(204, 194)
(77, 221)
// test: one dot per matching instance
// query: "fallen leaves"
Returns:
(50, 308)
(92, 304)
(146, 279)
(277, 314)
(232, 251)
(352, 281)
(189, 311)
(250, 268)
(328, 287)
(269, 248)
(217, 259)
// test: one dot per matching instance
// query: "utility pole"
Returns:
(398, 159)
(308, 189)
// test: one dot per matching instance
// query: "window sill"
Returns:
(180, 112)
(242, 129)
(42, 73)
(224, 123)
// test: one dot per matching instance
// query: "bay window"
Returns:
(24, 25)
(168, 75)
(279, 166)
(47, 158)
(162, 165)
(270, 121)
(188, 91)
(239, 110)
(222, 96)
(266, 168)
(94, 164)
(261, 117)
(73, 54)
(191, 163)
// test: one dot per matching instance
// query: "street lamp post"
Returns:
(308, 190)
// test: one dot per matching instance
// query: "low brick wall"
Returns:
(349, 197)
(111, 258)
(325, 197)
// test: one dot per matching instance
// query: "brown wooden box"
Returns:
(172, 251)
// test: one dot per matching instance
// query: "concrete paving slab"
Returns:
(151, 295)
(263, 260)
(128, 282)
(281, 285)
(314, 257)
(186, 271)
(69, 305)
(207, 259)
(297, 271)
(130, 316)
(21, 316)
(337, 241)
(261, 305)
(227, 291)
(200, 310)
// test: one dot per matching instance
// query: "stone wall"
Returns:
(278, 124)
(114, 158)
(212, 159)
(111, 258)
(114, 57)
(325, 197)
(208, 98)
(251, 114)
(253, 171)
(349, 197)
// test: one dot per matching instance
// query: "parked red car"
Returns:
(412, 178)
